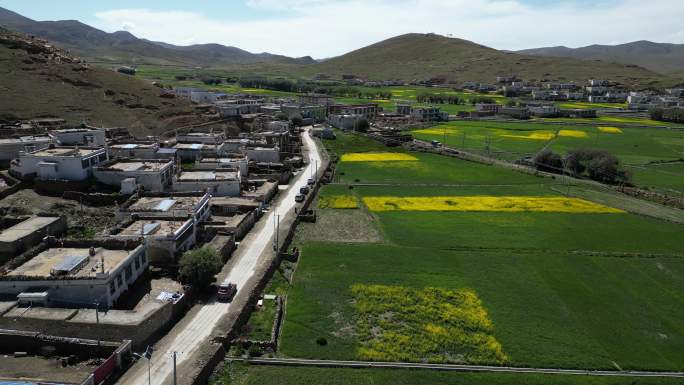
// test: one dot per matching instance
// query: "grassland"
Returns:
(573, 290)
(638, 148)
(240, 374)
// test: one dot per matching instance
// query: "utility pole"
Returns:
(174, 368)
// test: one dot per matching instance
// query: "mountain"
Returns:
(124, 47)
(422, 56)
(657, 57)
(38, 80)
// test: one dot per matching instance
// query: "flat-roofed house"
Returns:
(79, 137)
(11, 148)
(190, 152)
(219, 183)
(29, 232)
(134, 150)
(152, 175)
(168, 205)
(165, 238)
(264, 154)
(231, 162)
(58, 163)
(201, 137)
(76, 273)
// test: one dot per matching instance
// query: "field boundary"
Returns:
(451, 367)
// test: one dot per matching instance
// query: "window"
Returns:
(129, 270)
(137, 263)
(143, 258)
(119, 279)
(112, 288)
(102, 157)
(85, 163)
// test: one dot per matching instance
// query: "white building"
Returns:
(264, 154)
(219, 183)
(168, 206)
(165, 238)
(234, 162)
(190, 152)
(58, 163)
(152, 175)
(134, 150)
(79, 137)
(67, 273)
(201, 137)
(10, 148)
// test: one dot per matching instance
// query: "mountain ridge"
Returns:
(658, 57)
(124, 47)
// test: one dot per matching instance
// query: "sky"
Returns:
(326, 28)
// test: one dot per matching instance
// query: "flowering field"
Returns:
(573, 134)
(433, 324)
(536, 135)
(610, 130)
(337, 202)
(377, 157)
(487, 203)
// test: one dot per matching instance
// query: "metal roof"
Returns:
(150, 228)
(165, 205)
(70, 263)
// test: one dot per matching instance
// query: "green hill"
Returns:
(38, 80)
(423, 56)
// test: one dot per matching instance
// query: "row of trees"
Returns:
(674, 115)
(598, 165)
(426, 97)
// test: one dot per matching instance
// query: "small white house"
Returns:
(219, 183)
(79, 137)
(10, 148)
(201, 137)
(164, 238)
(58, 163)
(134, 150)
(152, 175)
(264, 154)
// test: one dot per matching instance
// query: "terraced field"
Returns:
(549, 288)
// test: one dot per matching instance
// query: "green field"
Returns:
(572, 290)
(635, 147)
(242, 374)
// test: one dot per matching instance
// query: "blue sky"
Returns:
(324, 28)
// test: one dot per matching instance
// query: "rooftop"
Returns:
(166, 204)
(207, 176)
(26, 139)
(155, 227)
(138, 166)
(25, 228)
(130, 146)
(66, 151)
(84, 265)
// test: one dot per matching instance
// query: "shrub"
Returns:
(198, 267)
(321, 341)
(548, 161)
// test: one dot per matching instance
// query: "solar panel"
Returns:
(70, 263)
(129, 145)
(149, 228)
(165, 205)
(196, 146)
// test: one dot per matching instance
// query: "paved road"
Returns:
(453, 367)
(199, 329)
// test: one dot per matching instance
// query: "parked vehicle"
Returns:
(226, 292)
(300, 198)
(304, 190)
(311, 182)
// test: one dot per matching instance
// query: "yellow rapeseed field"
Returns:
(436, 131)
(539, 135)
(573, 133)
(337, 202)
(487, 204)
(397, 323)
(610, 130)
(377, 157)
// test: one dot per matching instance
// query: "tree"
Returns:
(281, 116)
(362, 125)
(548, 161)
(297, 120)
(199, 266)
(599, 165)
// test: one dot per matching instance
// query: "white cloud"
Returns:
(324, 28)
